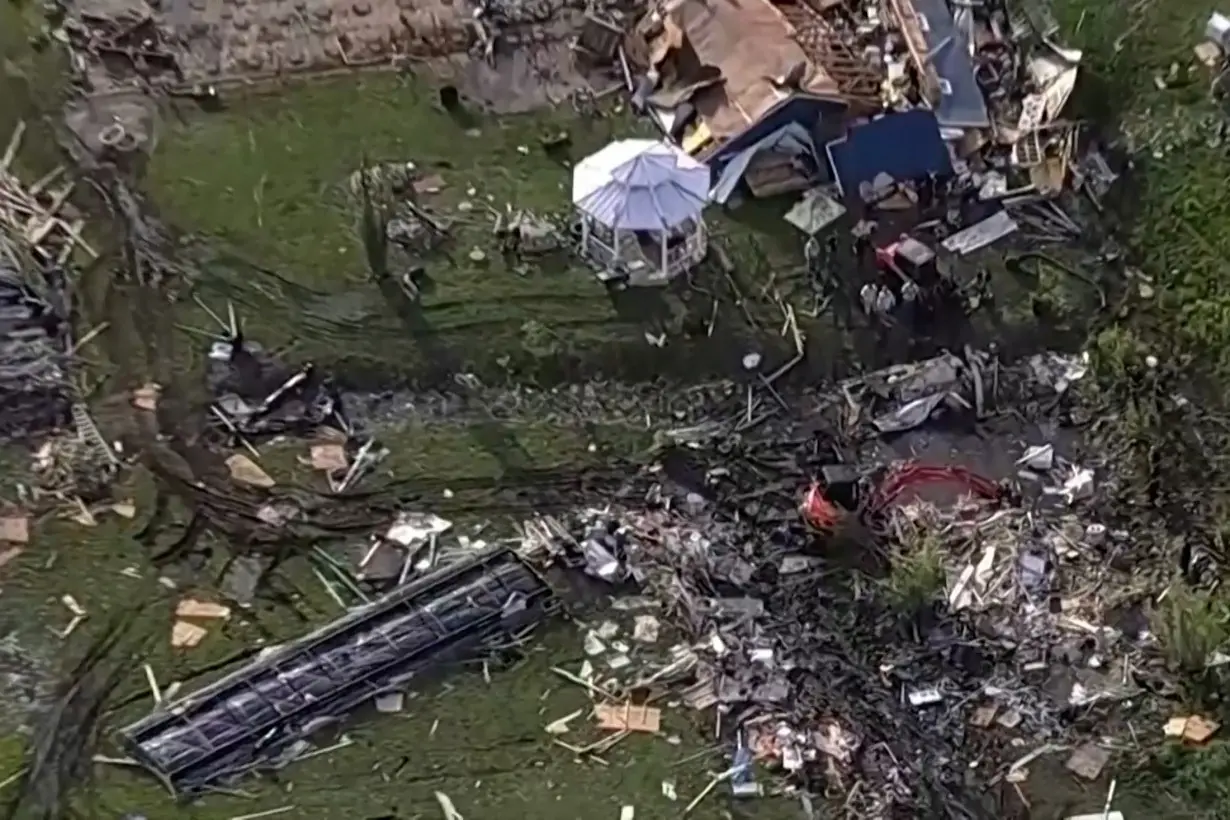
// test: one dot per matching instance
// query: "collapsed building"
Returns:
(771, 94)
(732, 80)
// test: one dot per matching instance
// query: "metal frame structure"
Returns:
(251, 718)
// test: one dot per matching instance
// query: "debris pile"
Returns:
(774, 651)
(40, 216)
(258, 396)
(1034, 633)
(942, 127)
(35, 390)
(37, 241)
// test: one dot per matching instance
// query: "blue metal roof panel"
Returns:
(961, 103)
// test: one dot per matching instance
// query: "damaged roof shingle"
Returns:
(752, 44)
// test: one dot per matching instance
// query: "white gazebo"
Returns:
(640, 203)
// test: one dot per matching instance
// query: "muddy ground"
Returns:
(260, 182)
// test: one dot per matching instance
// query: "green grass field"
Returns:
(265, 179)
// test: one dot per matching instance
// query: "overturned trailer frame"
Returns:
(251, 718)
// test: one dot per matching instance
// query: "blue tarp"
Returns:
(961, 104)
(906, 146)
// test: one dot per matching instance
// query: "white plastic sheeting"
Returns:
(640, 185)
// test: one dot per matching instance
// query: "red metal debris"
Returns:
(817, 510)
(911, 474)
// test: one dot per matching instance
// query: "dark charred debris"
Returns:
(259, 397)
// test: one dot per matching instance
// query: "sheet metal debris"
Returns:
(242, 721)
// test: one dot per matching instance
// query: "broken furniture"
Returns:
(783, 161)
(640, 203)
(254, 717)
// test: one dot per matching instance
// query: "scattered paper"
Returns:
(15, 529)
(628, 718)
(192, 608)
(246, 471)
(186, 635)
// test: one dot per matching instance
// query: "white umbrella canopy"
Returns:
(640, 185)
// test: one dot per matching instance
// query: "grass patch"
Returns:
(437, 453)
(1140, 72)
(1191, 625)
(1178, 211)
(1200, 775)
(25, 76)
(916, 576)
(481, 743)
(269, 177)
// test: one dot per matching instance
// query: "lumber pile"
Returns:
(37, 213)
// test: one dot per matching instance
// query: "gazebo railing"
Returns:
(691, 251)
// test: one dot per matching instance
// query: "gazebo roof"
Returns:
(640, 185)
